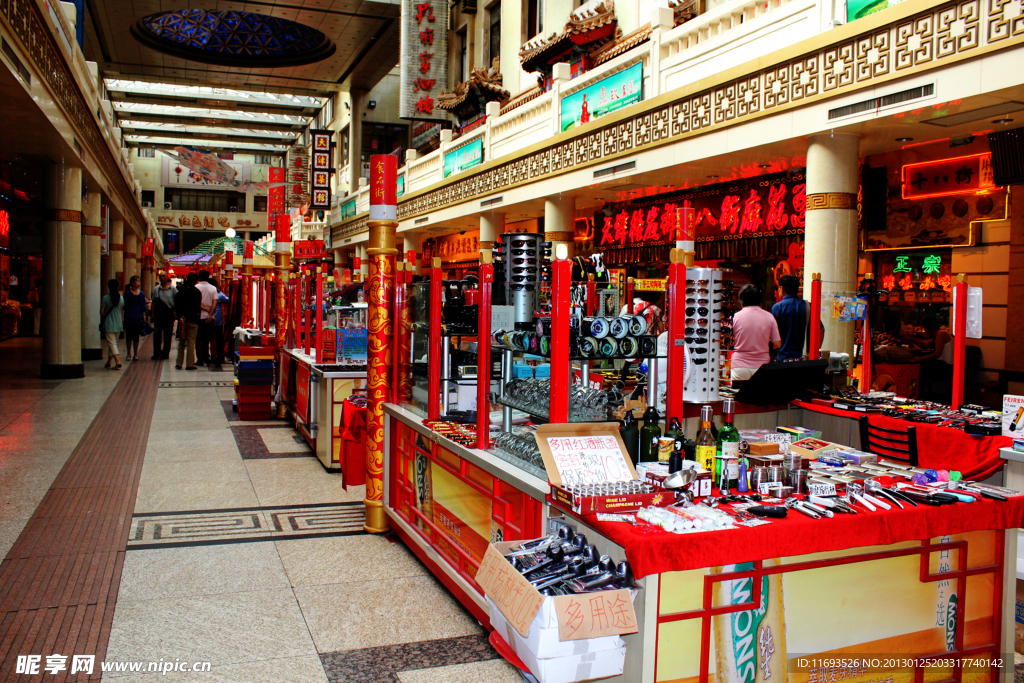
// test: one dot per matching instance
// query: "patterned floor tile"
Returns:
(253, 445)
(244, 525)
(382, 664)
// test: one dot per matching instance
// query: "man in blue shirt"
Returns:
(791, 316)
(217, 353)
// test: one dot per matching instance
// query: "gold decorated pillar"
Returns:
(380, 328)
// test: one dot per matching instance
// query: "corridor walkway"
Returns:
(141, 522)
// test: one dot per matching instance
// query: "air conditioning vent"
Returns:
(147, 205)
(233, 209)
(876, 103)
(612, 170)
(167, 206)
(492, 201)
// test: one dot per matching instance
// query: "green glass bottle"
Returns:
(649, 434)
(728, 443)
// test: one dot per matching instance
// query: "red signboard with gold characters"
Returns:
(320, 170)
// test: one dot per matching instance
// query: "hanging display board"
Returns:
(603, 97)
(423, 59)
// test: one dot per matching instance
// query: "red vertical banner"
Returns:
(275, 195)
(383, 187)
(686, 229)
(434, 342)
(814, 320)
(483, 365)
(959, 340)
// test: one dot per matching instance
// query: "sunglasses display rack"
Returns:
(703, 333)
(522, 259)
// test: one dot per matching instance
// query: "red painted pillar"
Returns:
(676, 300)
(591, 295)
(959, 339)
(434, 342)
(865, 367)
(561, 281)
(483, 352)
(814, 318)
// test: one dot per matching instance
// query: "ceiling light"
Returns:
(764, 166)
(229, 233)
(904, 139)
(712, 176)
(1002, 122)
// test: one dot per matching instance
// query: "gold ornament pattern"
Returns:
(831, 200)
(378, 368)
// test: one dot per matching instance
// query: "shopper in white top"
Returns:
(208, 303)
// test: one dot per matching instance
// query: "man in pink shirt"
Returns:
(754, 334)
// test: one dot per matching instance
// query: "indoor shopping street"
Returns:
(512, 341)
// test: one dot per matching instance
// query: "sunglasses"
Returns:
(702, 311)
(693, 322)
(522, 252)
(701, 292)
(699, 349)
(701, 283)
(700, 361)
(522, 243)
(699, 302)
(525, 269)
(522, 278)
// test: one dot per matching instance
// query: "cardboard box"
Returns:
(763, 448)
(800, 432)
(585, 667)
(811, 448)
(1013, 415)
(543, 643)
(525, 608)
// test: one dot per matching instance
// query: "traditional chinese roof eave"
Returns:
(579, 31)
(522, 98)
(624, 44)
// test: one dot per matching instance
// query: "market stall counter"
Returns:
(938, 447)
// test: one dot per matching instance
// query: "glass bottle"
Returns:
(630, 436)
(707, 449)
(674, 430)
(649, 434)
(728, 443)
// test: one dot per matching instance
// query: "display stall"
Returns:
(480, 459)
(324, 373)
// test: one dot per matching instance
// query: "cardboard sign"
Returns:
(509, 590)
(579, 454)
(591, 615)
(1013, 415)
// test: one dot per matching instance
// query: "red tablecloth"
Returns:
(939, 448)
(799, 535)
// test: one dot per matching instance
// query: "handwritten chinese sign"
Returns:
(509, 590)
(424, 58)
(961, 175)
(762, 206)
(592, 615)
(588, 459)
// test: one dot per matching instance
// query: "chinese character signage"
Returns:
(275, 195)
(467, 156)
(296, 187)
(607, 95)
(758, 207)
(320, 169)
(962, 175)
(423, 61)
(401, 185)
(921, 275)
(383, 186)
(453, 248)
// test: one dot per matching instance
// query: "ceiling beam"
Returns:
(177, 129)
(165, 142)
(224, 95)
(200, 120)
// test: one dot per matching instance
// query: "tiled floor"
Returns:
(243, 550)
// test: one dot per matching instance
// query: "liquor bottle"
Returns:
(729, 443)
(630, 436)
(649, 434)
(706, 447)
(673, 431)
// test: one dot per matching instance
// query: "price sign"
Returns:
(588, 459)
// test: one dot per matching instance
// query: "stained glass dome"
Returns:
(232, 38)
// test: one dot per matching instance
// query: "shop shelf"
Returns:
(575, 414)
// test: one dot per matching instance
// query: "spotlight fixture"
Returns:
(764, 166)
(229, 233)
(1002, 122)
(904, 139)
(961, 141)
(712, 176)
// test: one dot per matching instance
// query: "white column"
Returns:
(131, 256)
(492, 225)
(92, 289)
(364, 267)
(831, 228)
(560, 222)
(62, 273)
(414, 242)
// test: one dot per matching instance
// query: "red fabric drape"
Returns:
(939, 448)
(799, 535)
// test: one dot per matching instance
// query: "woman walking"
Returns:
(112, 322)
(135, 305)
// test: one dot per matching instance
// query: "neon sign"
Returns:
(959, 175)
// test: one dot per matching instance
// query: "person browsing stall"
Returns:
(755, 334)
(790, 315)
(162, 306)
